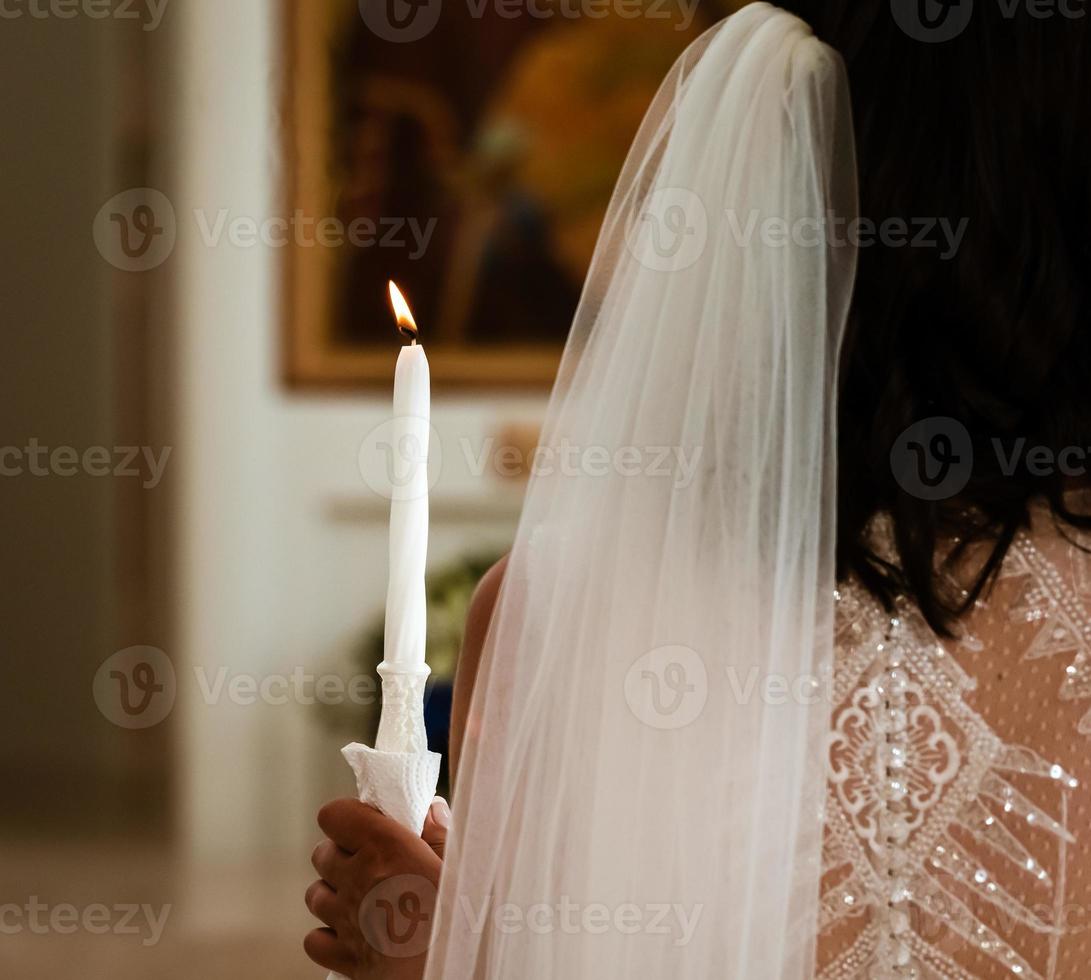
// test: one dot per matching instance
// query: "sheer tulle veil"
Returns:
(641, 788)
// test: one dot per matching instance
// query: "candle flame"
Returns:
(406, 324)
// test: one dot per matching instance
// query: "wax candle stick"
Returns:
(399, 775)
(406, 615)
(404, 671)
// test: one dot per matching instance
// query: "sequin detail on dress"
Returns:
(1066, 626)
(926, 859)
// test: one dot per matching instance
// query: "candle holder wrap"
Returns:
(399, 776)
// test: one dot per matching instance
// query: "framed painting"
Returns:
(472, 166)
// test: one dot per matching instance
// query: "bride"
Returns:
(822, 708)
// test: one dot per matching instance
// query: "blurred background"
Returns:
(202, 203)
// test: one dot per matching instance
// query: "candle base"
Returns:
(401, 725)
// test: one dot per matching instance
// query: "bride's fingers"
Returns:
(322, 902)
(331, 862)
(325, 949)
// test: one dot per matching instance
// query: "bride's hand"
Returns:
(377, 894)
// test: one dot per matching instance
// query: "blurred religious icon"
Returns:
(472, 165)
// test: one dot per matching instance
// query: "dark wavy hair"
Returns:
(990, 129)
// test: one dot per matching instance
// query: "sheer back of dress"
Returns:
(958, 802)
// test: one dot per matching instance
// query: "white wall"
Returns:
(267, 577)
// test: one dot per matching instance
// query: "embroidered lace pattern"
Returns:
(955, 772)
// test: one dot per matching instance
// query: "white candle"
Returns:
(399, 775)
(406, 612)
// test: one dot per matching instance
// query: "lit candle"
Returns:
(406, 611)
(399, 776)
(406, 616)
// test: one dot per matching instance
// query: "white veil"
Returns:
(641, 787)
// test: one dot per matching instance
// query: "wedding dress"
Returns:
(959, 790)
(689, 755)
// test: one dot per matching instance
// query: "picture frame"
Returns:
(317, 350)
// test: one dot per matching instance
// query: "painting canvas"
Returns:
(472, 165)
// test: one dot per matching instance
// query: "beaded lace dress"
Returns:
(959, 792)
